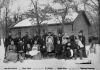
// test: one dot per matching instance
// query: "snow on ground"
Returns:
(53, 63)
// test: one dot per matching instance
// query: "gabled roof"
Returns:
(28, 22)
(82, 13)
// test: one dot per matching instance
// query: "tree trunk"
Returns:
(63, 17)
(62, 26)
(6, 22)
(37, 17)
(99, 20)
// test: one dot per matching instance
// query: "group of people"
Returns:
(61, 46)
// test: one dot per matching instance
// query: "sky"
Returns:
(24, 5)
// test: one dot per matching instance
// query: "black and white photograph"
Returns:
(49, 34)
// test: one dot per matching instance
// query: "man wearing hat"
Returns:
(7, 42)
(82, 39)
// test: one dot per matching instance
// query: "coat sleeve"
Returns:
(83, 40)
(5, 43)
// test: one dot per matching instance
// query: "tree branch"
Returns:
(94, 4)
(91, 8)
(33, 4)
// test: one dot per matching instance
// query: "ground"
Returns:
(53, 64)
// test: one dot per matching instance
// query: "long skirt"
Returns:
(49, 47)
(11, 56)
(36, 54)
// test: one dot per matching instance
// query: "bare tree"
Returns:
(5, 20)
(92, 10)
(37, 13)
(99, 20)
(62, 12)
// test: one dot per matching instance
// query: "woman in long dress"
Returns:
(11, 54)
(49, 43)
(35, 52)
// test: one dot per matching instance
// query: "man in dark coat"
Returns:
(25, 40)
(41, 42)
(82, 39)
(72, 37)
(30, 40)
(55, 38)
(59, 38)
(7, 41)
(17, 40)
(45, 35)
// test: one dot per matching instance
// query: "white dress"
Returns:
(49, 43)
(34, 50)
(80, 44)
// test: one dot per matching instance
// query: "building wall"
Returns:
(67, 29)
(81, 24)
(23, 30)
(93, 31)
